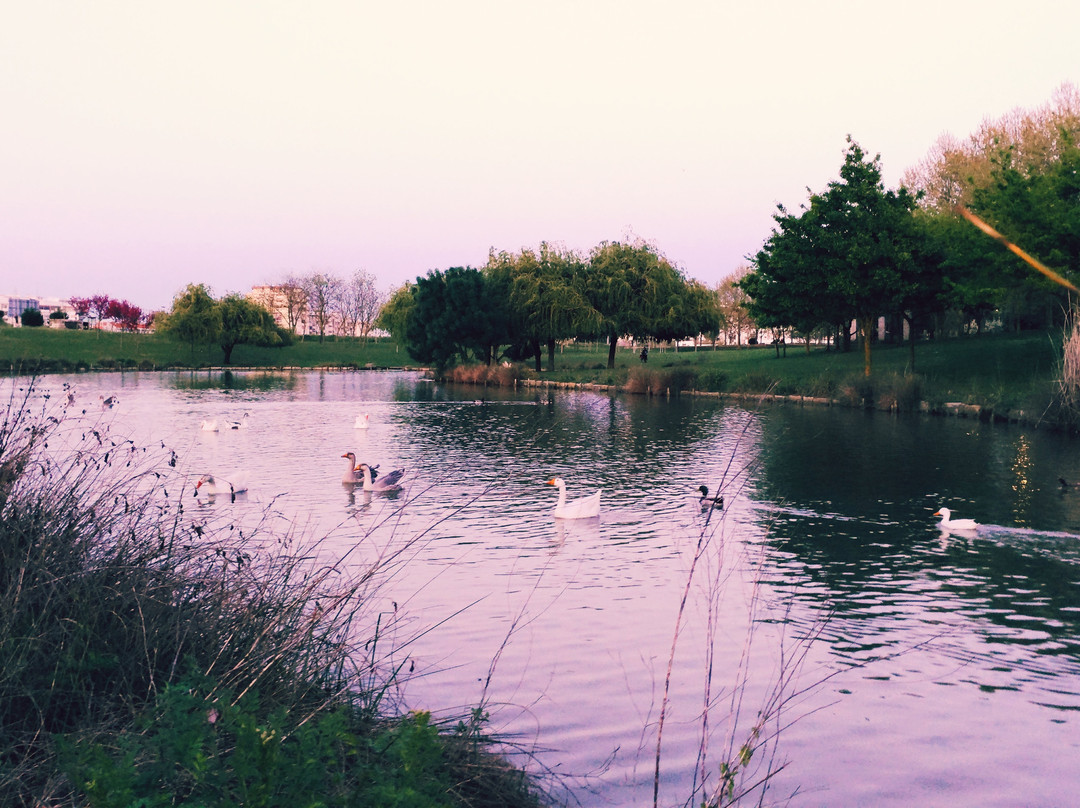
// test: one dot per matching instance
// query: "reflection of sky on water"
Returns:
(936, 639)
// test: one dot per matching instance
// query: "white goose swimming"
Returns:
(584, 508)
(948, 523)
(210, 426)
(361, 421)
(241, 424)
(384, 483)
(236, 484)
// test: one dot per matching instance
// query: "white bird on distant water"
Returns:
(583, 508)
(948, 523)
(210, 426)
(361, 421)
(238, 424)
(708, 502)
(236, 483)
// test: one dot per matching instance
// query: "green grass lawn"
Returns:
(59, 350)
(1004, 371)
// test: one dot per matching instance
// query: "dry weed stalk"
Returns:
(748, 760)
(1069, 382)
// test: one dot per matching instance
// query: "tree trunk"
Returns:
(228, 354)
(911, 340)
(536, 354)
(613, 343)
(866, 325)
(551, 355)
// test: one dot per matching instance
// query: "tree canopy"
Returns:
(197, 318)
(637, 292)
(545, 297)
(1019, 174)
(848, 255)
(454, 316)
(524, 302)
(194, 318)
(246, 323)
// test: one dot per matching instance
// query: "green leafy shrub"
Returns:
(713, 380)
(857, 391)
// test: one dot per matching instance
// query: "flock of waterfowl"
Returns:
(588, 507)
(368, 477)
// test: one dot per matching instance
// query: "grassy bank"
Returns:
(1000, 371)
(152, 657)
(1004, 372)
(49, 350)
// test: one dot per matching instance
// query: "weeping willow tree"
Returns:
(546, 295)
(637, 292)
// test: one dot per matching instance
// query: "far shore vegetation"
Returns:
(1003, 372)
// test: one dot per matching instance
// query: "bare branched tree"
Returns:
(294, 302)
(358, 304)
(735, 319)
(323, 290)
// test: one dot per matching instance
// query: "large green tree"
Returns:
(195, 317)
(637, 292)
(246, 323)
(868, 239)
(1017, 172)
(546, 298)
(454, 317)
(1038, 207)
(788, 287)
(849, 255)
(394, 314)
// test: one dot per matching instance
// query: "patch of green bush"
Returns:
(199, 744)
(148, 658)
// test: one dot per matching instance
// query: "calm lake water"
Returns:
(928, 669)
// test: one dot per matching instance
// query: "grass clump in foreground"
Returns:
(148, 658)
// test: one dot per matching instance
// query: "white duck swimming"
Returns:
(708, 502)
(236, 484)
(584, 508)
(210, 426)
(361, 421)
(948, 523)
(241, 424)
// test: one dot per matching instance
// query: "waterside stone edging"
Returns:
(952, 408)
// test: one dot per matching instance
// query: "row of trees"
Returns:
(127, 316)
(198, 319)
(856, 251)
(324, 303)
(520, 304)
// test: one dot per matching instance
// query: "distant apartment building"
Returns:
(287, 304)
(14, 306)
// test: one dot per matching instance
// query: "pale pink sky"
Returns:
(145, 145)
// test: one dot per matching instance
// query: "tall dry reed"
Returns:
(114, 588)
